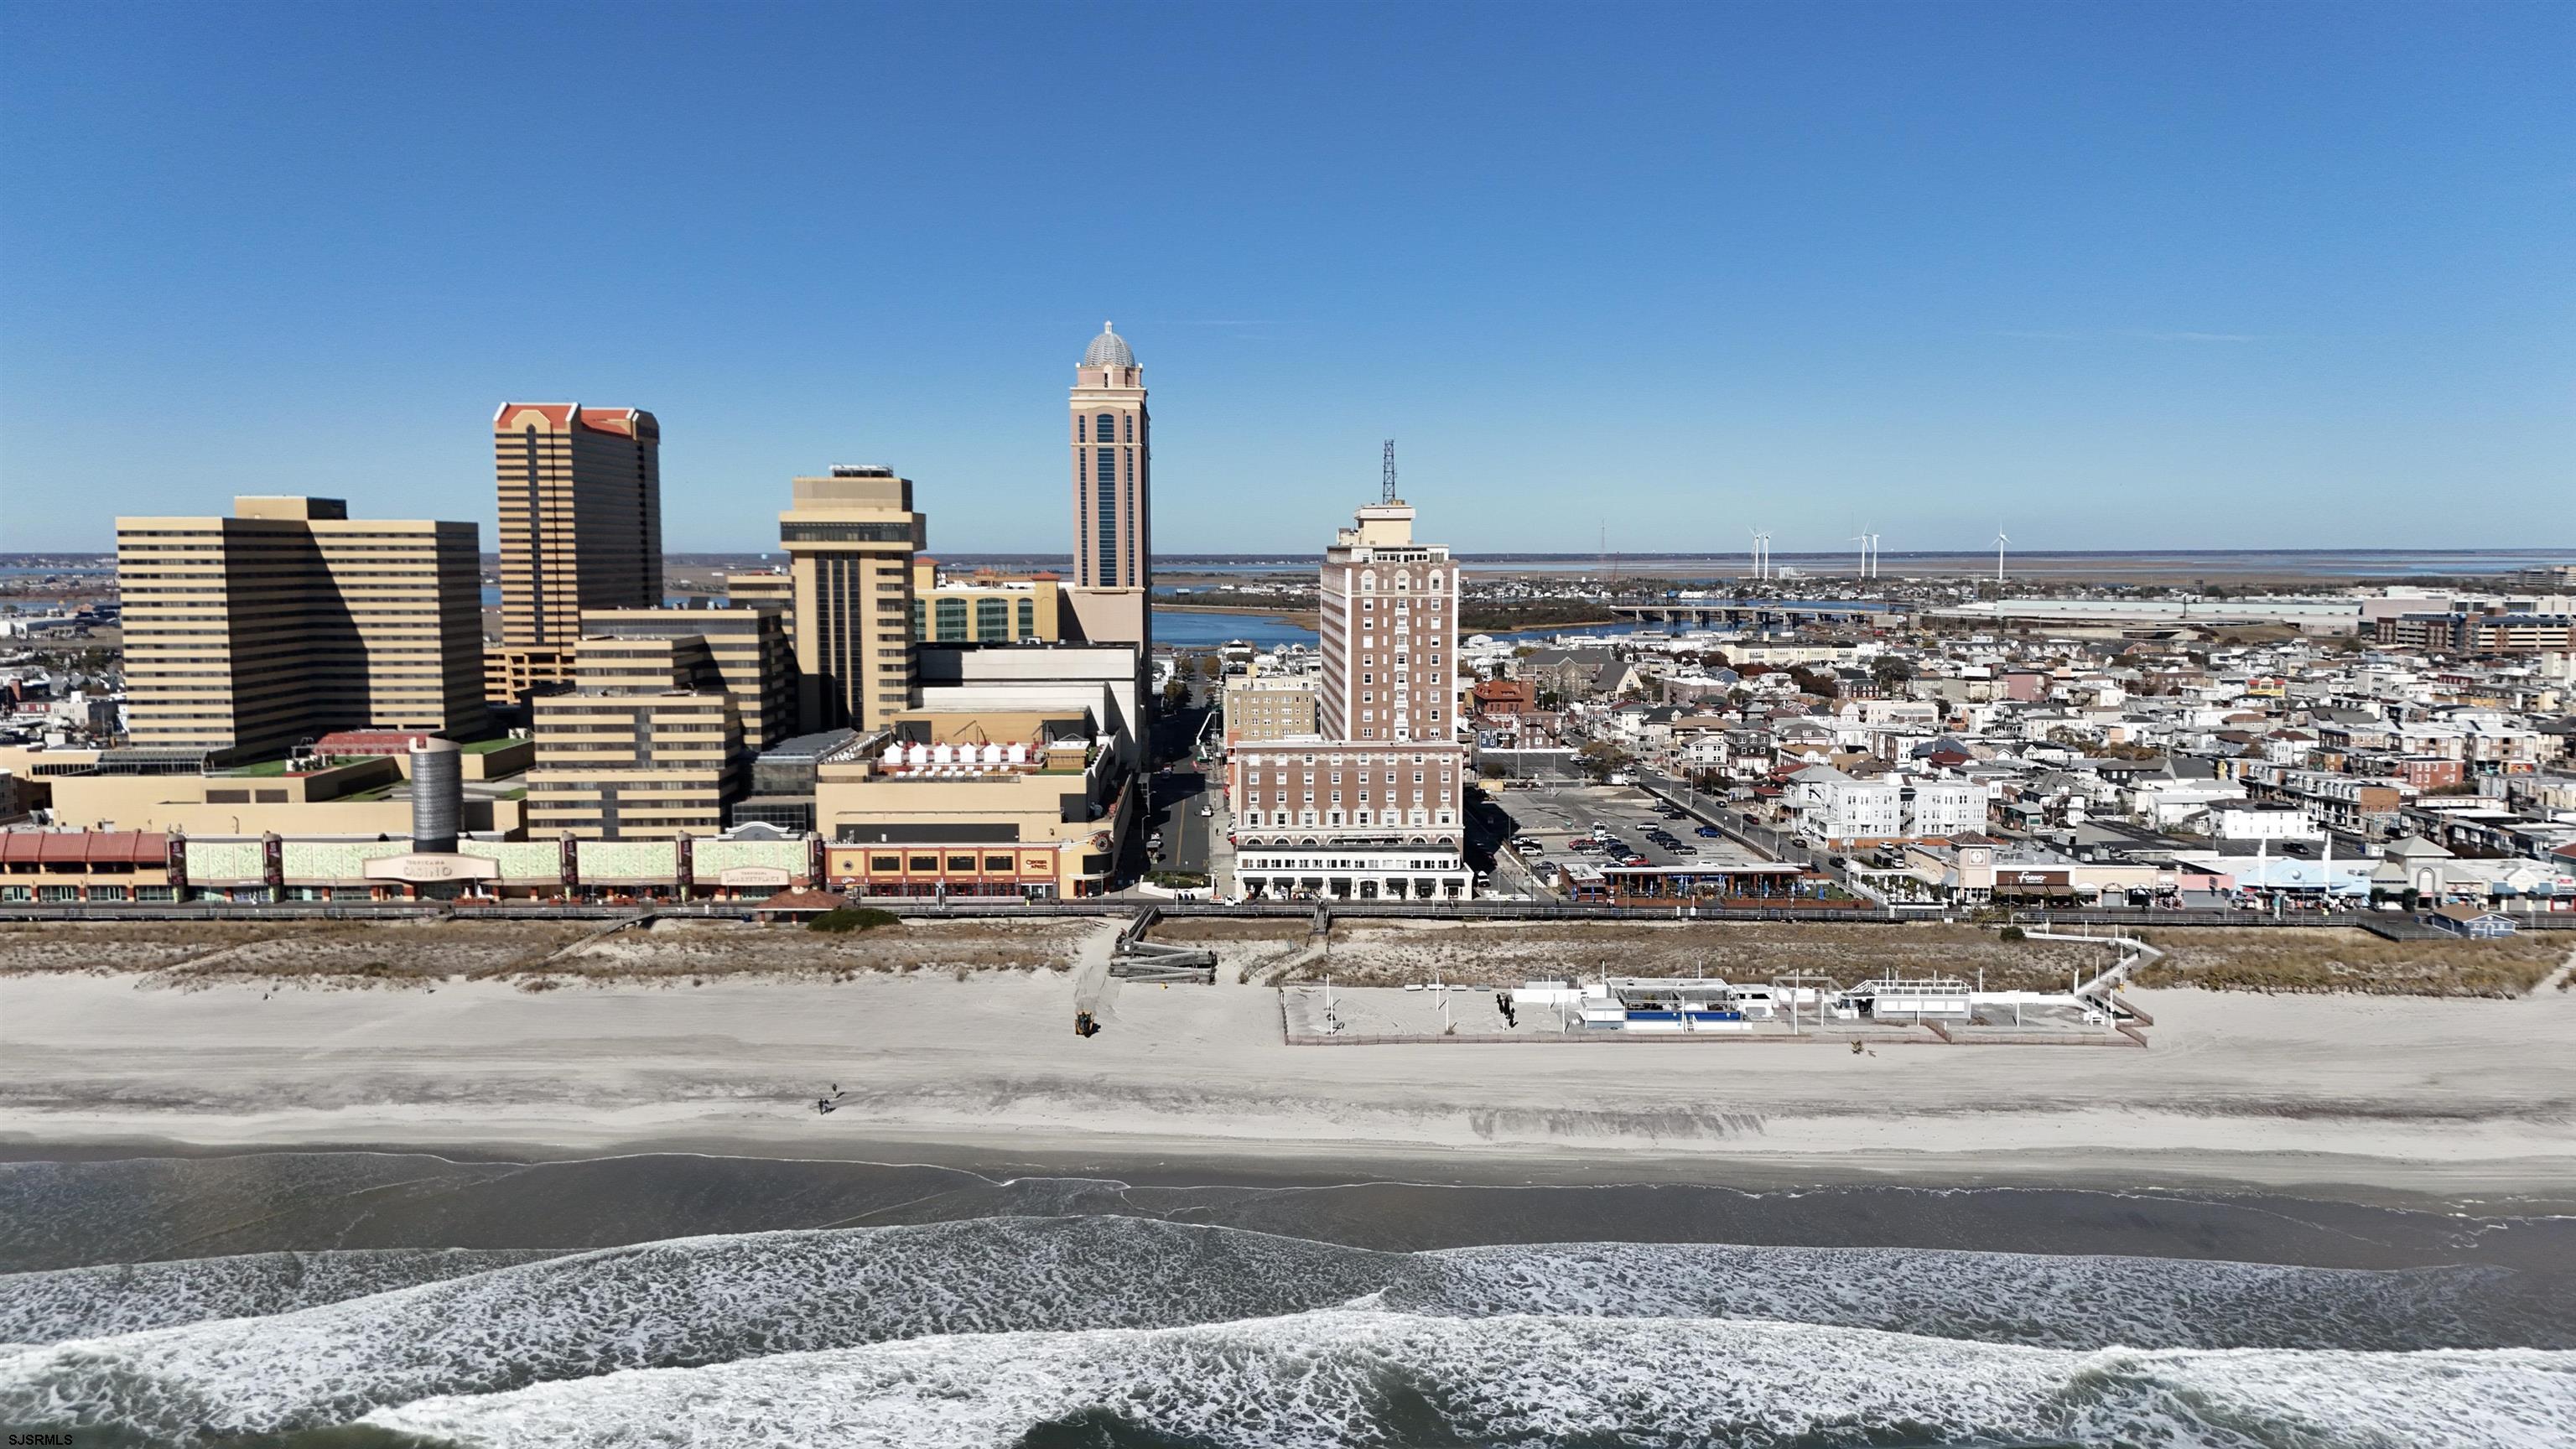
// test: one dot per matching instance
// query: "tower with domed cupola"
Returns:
(1113, 543)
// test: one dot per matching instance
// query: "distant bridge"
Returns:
(1712, 613)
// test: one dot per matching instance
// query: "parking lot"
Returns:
(1557, 815)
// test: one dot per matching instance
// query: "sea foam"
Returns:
(709, 1301)
(50, 1306)
(1346, 1377)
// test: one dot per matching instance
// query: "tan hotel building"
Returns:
(580, 493)
(655, 738)
(247, 635)
(850, 538)
(765, 589)
(647, 745)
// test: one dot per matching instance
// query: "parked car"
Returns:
(1685, 850)
(1707, 832)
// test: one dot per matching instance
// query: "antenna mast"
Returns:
(1387, 491)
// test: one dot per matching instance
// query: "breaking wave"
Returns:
(1098, 1330)
(48, 1307)
(1356, 1378)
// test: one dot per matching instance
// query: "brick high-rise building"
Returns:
(1372, 807)
(581, 518)
(1390, 632)
(245, 636)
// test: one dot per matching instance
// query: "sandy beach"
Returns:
(2454, 1099)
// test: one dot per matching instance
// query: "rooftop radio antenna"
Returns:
(1387, 491)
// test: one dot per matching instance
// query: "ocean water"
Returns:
(1116, 1330)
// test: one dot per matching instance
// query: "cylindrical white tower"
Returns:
(437, 795)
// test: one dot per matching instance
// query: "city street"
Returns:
(1178, 792)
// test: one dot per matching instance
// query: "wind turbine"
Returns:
(2000, 541)
(1873, 555)
(1863, 540)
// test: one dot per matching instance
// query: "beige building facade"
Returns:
(1262, 708)
(647, 745)
(346, 799)
(246, 635)
(983, 608)
(978, 803)
(765, 589)
(850, 537)
(747, 646)
(581, 517)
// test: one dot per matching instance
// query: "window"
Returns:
(992, 620)
(1104, 469)
(1028, 618)
(885, 862)
(961, 862)
(845, 533)
(924, 862)
(997, 864)
(952, 619)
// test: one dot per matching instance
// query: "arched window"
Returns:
(1105, 428)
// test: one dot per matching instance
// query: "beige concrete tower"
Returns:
(1390, 631)
(581, 517)
(850, 539)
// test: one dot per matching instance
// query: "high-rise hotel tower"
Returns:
(581, 516)
(1390, 631)
(850, 538)
(1113, 545)
(245, 636)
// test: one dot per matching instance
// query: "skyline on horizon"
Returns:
(2102, 281)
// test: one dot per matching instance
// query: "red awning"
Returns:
(83, 847)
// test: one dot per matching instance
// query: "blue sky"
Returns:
(2107, 275)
